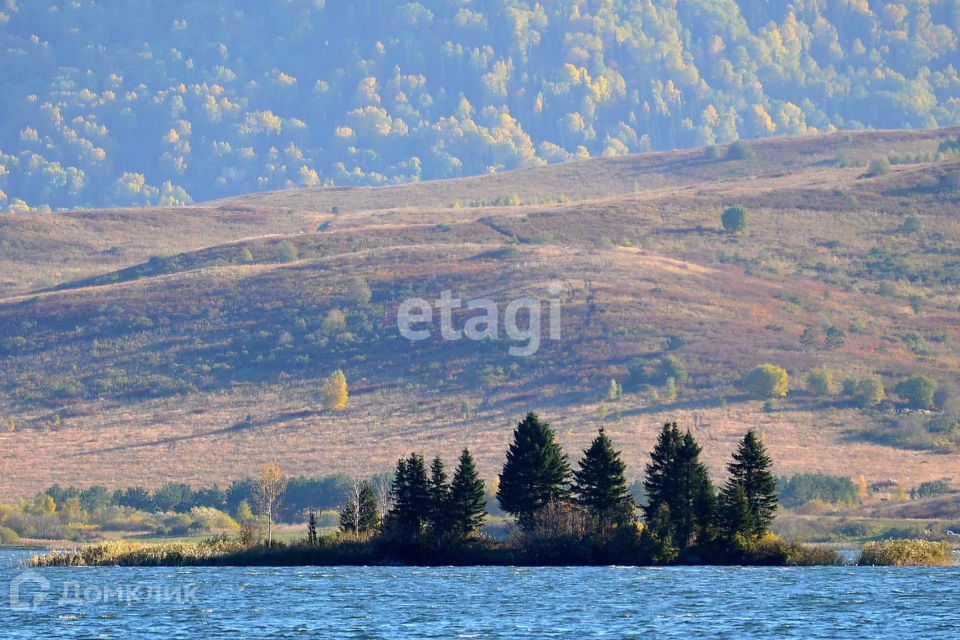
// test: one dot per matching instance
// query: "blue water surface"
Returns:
(486, 602)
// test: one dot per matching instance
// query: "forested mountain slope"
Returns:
(133, 102)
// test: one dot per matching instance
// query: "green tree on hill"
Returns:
(766, 381)
(536, 471)
(734, 219)
(878, 167)
(868, 392)
(286, 251)
(671, 366)
(358, 292)
(739, 150)
(950, 181)
(918, 390)
(819, 382)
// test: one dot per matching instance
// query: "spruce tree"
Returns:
(656, 541)
(676, 477)
(411, 495)
(467, 498)
(439, 499)
(659, 482)
(599, 483)
(535, 473)
(750, 471)
(369, 514)
(735, 518)
(694, 501)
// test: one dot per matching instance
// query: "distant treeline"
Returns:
(326, 493)
(302, 494)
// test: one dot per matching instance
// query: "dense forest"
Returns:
(136, 102)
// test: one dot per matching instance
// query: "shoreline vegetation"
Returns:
(907, 553)
(564, 517)
(334, 551)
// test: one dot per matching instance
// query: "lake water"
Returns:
(489, 602)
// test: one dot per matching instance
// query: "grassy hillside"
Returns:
(142, 345)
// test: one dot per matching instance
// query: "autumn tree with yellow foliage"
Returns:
(334, 393)
(267, 491)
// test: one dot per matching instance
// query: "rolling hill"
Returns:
(189, 343)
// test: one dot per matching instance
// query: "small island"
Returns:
(563, 516)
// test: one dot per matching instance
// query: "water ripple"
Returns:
(494, 602)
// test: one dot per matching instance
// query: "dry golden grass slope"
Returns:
(141, 346)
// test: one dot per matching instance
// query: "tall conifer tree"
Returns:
(536, 471)
(676, 477)
(659, 483)
(750, 472)
(599, 483)
(467, 498)
(735, 516)
(439, 499)
(411, 495)
(694, 501)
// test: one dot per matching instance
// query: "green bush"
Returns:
(773, 551)
(878, 167)
(672, 367)
(912, 224)
(711, 152)
(917, 390)
(950, 181)
(358, 292)
(819, 382)
(178, 524)
(934, 488)
(8, 536)
(767, 381)
(906, 553)
(734, 219)
(739, 150)
(210, 519)
(806, 487)
(286, 252)
(869, 392)
(849, 386)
